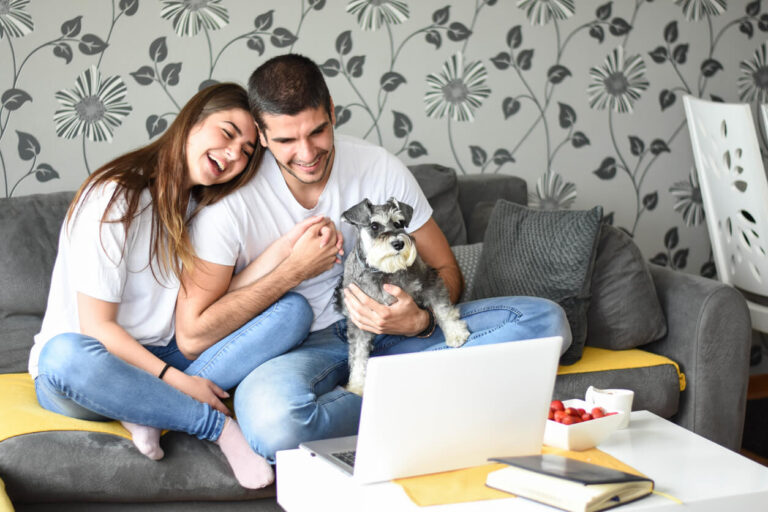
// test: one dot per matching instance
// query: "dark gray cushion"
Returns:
(16, 339)
(624, 311)
(468, 258)
(477, 188)
(540, 253)
(29, 234)
(441, 188)
(90, 466)
(478, 221)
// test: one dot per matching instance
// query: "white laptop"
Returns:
(435, 411)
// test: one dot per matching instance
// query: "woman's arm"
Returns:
(98, 320)
(281, 248)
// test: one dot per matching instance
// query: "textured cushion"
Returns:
(468, 258)
(624, 311)
(442, 190)
(546, 254)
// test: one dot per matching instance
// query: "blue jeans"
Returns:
(79, 378)
(297, 397)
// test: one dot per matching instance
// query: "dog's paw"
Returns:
(355, 388)
(456, 334)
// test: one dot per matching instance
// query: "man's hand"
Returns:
(316, 250)
(402, 317)
(199, 388)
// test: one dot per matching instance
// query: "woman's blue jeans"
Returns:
(296, 397)
(78, 377)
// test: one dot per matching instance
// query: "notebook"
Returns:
(441, 410)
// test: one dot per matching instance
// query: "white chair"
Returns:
(734, 191)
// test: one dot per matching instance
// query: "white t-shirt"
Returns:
(241, 226)
(98, 266)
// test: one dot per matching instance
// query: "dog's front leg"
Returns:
(360, 346)
(454, 328)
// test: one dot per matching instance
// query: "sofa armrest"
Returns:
(709, 335)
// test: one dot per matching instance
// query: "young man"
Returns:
(308, 171)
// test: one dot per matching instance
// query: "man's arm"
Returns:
(404, 316)
(206, 312)
(435, 251)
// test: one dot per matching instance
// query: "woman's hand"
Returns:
(317, 250)
(199, 388)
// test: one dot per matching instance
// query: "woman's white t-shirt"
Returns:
(98, 260)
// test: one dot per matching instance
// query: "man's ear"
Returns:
(333, 113)
(405, 209)
(360, 214)
(262, 135)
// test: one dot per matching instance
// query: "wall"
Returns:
(583, 101)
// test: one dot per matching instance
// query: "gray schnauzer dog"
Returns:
(385, 253)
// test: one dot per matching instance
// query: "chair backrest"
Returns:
(734, 190)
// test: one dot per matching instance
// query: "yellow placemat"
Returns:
(465, 485)
(595, 359)
(21, 414)
(5, 501)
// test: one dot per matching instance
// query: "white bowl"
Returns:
(580, 436)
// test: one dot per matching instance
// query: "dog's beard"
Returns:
(382, 256)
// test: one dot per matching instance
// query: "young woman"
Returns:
(107, 347)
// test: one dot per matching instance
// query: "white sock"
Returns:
(146, 439)
(251, 470)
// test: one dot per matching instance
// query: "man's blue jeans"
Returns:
(78, 377)
(296, 397)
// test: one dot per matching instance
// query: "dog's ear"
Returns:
(360, 214)
(404, 208)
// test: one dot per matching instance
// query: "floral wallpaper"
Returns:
(582, 101)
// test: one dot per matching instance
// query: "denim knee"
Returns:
(299, 312)
(268, 424)
(64, 354)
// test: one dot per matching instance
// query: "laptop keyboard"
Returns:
(347, 458)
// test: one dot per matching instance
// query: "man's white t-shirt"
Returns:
(97, 260)
(241, 226)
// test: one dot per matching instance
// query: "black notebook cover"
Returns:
(570, 469)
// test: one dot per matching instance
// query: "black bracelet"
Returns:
(165, 369)
(427, 332)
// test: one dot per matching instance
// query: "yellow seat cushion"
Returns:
(21, 414)
(599, 360)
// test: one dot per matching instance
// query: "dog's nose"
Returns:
(398, 244)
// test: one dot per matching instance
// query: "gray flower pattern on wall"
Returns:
(563, 93)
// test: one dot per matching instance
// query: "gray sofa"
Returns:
(708, 335)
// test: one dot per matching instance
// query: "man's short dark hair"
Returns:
(286, 85)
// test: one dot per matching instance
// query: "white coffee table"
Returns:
(700, 473)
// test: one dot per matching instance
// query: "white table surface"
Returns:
(703, 475)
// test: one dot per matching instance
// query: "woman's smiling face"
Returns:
(219, 147)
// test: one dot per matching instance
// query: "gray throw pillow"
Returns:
(468, 258)
(542, 253)
(441, 187)
(624, 311)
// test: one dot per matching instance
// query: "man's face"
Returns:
(302, 144)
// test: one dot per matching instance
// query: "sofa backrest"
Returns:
(29, 233)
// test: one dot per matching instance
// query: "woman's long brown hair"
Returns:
(161, 167)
